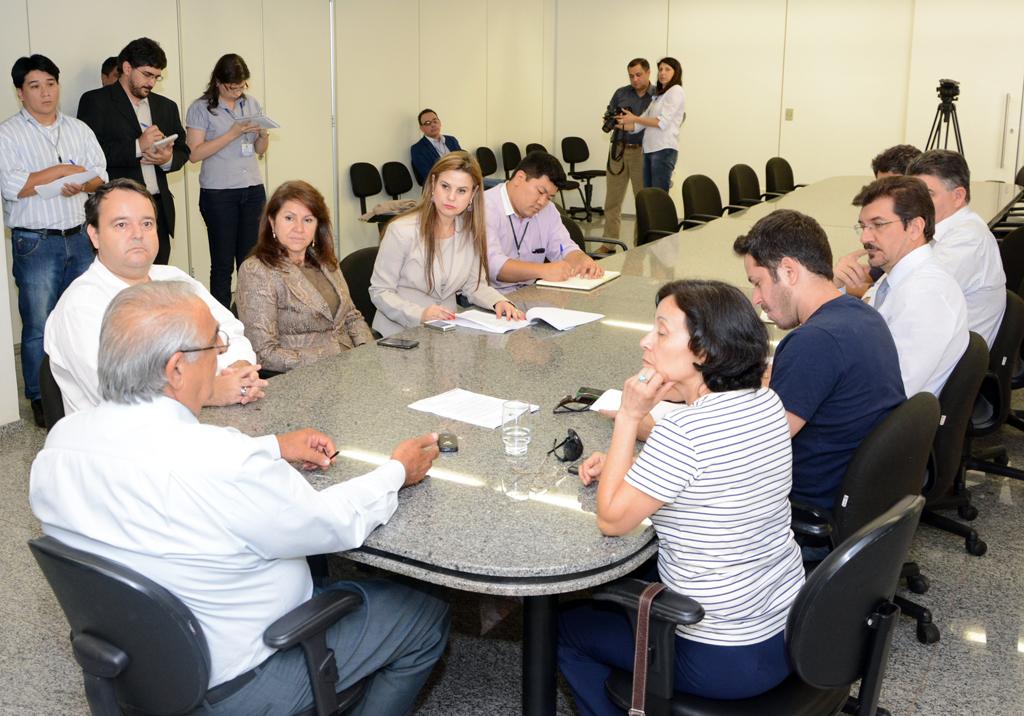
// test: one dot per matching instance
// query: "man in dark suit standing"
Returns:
(133, 124)
(432, 146)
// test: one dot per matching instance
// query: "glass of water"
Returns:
(516, 427)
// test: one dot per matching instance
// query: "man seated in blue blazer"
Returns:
(432, 146)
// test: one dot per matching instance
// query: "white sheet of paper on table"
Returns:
(612, 399)
(467, 407)
(561, 319)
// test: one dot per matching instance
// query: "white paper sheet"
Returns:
(48, 191)
(578, 283)
(612, 399)
(467, 407)
(560, 318)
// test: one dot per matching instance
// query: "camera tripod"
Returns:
(945, 113)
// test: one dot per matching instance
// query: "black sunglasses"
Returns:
(571, 447)
(574, 404)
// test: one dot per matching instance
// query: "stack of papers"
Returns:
(48, 191)
(467, 407)
(612, 399)
(578, 283)
(561, 318)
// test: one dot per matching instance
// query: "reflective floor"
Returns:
(978, 604)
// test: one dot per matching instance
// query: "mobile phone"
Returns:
(439, 325)
(447, 442)
(166, 140)
(403, 343)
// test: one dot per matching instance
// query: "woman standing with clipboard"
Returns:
(222, 135)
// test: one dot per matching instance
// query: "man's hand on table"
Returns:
(416, 455)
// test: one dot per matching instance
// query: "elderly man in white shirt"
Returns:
(121, 223)
(963, 243)
(222, 520)
(919, 300)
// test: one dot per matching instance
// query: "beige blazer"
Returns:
(398, 287)
(288, 321)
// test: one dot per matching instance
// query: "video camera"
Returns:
(610, 117)
(948, 90)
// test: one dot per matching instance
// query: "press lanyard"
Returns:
(518, 239)
(55, 145)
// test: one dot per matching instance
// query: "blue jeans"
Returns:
(397, 635)
(594, 640)
(232, 219)
(658, 168)
(44, 265)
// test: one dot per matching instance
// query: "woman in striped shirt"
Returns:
(714, 479)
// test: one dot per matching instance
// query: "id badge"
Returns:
(248, 149)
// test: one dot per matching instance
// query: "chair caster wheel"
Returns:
(927, 633)
(918, 584)
(967, 512)
(977, 547)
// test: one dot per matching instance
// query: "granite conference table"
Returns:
(482, 522)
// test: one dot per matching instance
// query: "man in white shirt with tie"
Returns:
(919, 300)
(222, 520)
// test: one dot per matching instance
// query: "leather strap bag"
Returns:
(643, 625)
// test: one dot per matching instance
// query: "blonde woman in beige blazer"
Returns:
(435, 251)
(292, 296)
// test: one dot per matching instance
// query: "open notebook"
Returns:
(561, 318)
(578, 283)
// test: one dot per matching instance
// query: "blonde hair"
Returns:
(473, 217)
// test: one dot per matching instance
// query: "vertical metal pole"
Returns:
(334, 131)
(184, 169)
(539, 644)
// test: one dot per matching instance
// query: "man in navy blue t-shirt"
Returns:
(837, 373)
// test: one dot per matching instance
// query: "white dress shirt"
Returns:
(72, 334)
(670, 111)
(967, 249)
(439, 145)
(26, 146)
(927, 315)
(213, 515)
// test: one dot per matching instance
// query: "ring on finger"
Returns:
(244, 390)
(643, 378)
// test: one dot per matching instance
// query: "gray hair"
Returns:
(142, 328)
(947, 166)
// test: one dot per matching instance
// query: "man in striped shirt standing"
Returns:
(41, 145)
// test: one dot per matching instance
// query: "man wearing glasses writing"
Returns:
(121, 222)
(132, 124)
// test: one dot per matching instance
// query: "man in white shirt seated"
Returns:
(222, 520)
(963, 243)
(919, 300)
(121, 222)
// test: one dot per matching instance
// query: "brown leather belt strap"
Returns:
(643, 625)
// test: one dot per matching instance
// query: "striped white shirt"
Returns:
(724, 468)
(26, 146)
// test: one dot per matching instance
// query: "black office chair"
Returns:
(839, 631)
(143, 652)
(1013, 218)
(778, 176)
(510, 158)
(357, 268)
(534, 147)
(576, 234)
(702, 202)
(890, 464)
(53, 400)
(1011, 250)
(366, 182)
(744, 187)
(487, 161)
(575, 151)
(568, 185)
(656, 215)
(946, 487)
(397, 179)
(992, 409)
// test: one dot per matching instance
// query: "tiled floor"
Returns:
(978, 603)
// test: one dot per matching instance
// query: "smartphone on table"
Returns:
(439, 325)
(402, 343)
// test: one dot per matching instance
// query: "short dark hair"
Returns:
(229, 70)
(143, 52)
(783, 233)
(910, 199)
(24, 65)
(639, 61)
(419, 117)
(895, 160)
(724, 330)
(108, 66)
(95, 200)
(541, 164)
(946, 165)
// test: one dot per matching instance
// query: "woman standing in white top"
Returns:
(714, 479)
(435, 251)
(660, 122)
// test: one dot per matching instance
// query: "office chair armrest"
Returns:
(310, 618)
(614, 242)
(746, 203)
(772, 194)
(810, 521)
(705, 217)
(654, 234)
(693, 222)
(733, 208)
(668, 606)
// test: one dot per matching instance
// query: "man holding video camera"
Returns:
(626, 155)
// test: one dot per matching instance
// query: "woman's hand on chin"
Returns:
(642, 392)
